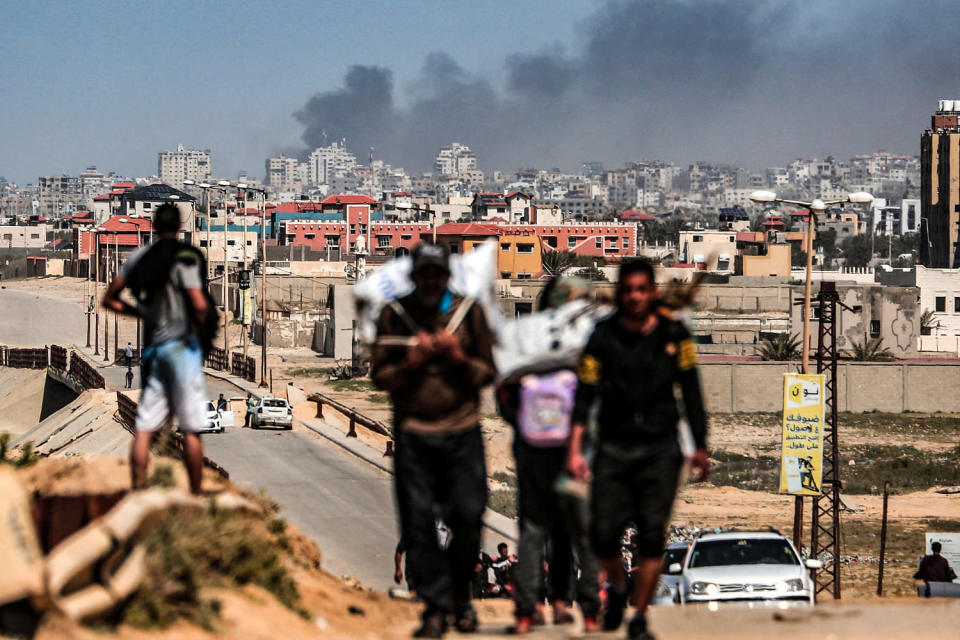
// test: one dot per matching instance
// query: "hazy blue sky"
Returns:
(522, 81)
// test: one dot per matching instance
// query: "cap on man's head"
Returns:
(430, 255)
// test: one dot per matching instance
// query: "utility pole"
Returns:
(86, 298)
(96, 293)
(263, 291)
(116, 316)
(226, 306)
(243, 297)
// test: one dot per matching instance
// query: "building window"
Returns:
(406, 236)
(146, 205)
(698, 238)
(874, 328)
(612, 241)
(956, 305)
(733, 238)
(383, 241)
(550, 241)
(941, 304)
(333, 240)
(504, 246)
(524, 248)
(573, 241)
(203, 243)
(454, 247)
(524, 276)
(353, 229)
(599, 242)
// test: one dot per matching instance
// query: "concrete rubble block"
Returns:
(23, 558)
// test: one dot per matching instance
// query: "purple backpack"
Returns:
(546, 403)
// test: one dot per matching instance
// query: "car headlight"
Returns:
(704, 589)
(663, 591)
(789, 586)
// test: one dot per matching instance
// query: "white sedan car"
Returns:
(273, 412)
(745, 565)
(214, 420)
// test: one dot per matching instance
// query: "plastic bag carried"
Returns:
(472, 276)
(546, 340)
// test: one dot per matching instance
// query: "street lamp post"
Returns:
(814, 207)
(263, 273)
(226, 305)
(96, 290)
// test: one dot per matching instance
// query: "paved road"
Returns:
(343, 504)
(29, 320)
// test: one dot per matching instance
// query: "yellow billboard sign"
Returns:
(801, 453)
(245, 306)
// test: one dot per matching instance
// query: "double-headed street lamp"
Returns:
(813, 208)
(416, 207)
(263, 271)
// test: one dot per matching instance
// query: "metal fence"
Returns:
(244, 367)
(353, 415)
(217, 359)
(59, 357)
(89, 377)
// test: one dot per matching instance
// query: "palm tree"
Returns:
(870, 350)
(556, 262)
(781, 347)
(926, 323)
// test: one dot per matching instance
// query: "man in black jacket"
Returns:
(631, 364)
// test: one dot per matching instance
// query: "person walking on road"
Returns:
(167, 279)
(128, 354)
(632, 363)
(129, 377)
(434, 383)
(539, 406)
(221, 403)
(251, 410)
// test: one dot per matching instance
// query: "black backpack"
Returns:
(152, 273)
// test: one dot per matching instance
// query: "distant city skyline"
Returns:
(539, 84)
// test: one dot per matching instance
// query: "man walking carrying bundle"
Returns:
(432, 355)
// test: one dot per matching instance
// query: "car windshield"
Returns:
(673, 555)
(210, 407)
(737, 551)
(274, 403)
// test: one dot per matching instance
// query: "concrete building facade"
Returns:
(174, 167)
(940, 187)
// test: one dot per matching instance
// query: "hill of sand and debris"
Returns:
(213, 574)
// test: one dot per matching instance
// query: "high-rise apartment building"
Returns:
(58, 195)
(454, 160)
(285, 174)
(940, 188)
(174, 167)
(327, 163)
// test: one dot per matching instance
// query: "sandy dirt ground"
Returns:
(335, 608)
(21, 396)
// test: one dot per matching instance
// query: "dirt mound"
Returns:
(262, 577)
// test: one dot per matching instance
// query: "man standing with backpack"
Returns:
(433, 354)
(167, 279)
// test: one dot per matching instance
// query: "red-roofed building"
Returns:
(343, 199)
(126, 232)
(636, 216)
(489, 205)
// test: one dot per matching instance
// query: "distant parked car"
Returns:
(673, 557)
(214, 419)
(744, 565)
(274, 412)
